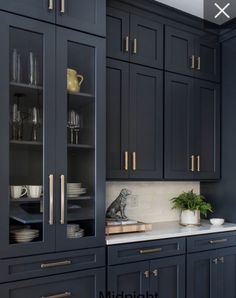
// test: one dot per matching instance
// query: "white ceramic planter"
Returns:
(188, 217)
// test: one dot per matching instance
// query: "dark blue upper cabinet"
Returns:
(38, 9)
(84, 15)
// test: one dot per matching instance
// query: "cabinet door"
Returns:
(202, 273)
(179, 100)
(128, 279)
(39, 9)
(208, 51)
(80, 140)
(146, 122)
(227, 273)
(146, 42)
(117, 119)
(207, 130)
(179, 47)
(168, 277)
(118, 41)
(83, 15)
(86, 284)
(27, 129)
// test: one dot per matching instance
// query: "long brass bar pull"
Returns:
(64, 295)
(50, 5)
(126, 160)
(51, 200)
(218, 241)
(199, 63)
(134, 159)
(199, 163)
(149, 251)
(127, 44)
(135, 49)
(192, 169)
(62, 221)
(62, 11)
(193, 62)
(55, 264)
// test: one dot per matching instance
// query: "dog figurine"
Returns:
(118, 206)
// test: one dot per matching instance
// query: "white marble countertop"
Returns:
(173, 229)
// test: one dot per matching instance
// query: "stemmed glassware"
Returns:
(17, 123)
(34, 120)
(16, 66)
(74, 124)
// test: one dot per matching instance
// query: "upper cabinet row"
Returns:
(83, 15)
(139, 40)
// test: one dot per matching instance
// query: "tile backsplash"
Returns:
(150, 201)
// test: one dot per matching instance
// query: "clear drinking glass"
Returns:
(16, 66)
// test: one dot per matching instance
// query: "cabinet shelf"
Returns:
(81, 94)
(26, 200)
(81, 198)
(25, 89)
(80, 146)
(26, 143)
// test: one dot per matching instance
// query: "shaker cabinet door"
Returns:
(146, 122)
(84, 15)
(38, 9)
(146, 42)
(117, 119)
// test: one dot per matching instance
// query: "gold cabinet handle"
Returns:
(155, 272)
(55, 264)
(50, 5)
(126, 160)
(51, 200)
(146, 274)
(192, 169)
(127, 44)
(221, 259)
(218, 241)
(215, 261)
(64, 295)
(149, 251)
(193, 62)
(134, 159)
(135, 49)
(62, 10)
(199, 163)
(199, 63)
(62, 221)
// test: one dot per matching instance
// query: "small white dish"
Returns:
(217, 221)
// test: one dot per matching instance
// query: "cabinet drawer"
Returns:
(211, 241)
(44, 265)
(84, 284)
(141, 251)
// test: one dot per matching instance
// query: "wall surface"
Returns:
(150, 201)
(194, 7)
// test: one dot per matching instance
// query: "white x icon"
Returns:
(222, 10)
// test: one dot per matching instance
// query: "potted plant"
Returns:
(191, 206)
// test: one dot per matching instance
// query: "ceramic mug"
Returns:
(18, 191)
(34, 191)
(74, 80)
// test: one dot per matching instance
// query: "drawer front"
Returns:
(84, 284)
(211, 241)
(37, 266)
(142, 251)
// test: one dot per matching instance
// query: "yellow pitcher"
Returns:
(74, 80)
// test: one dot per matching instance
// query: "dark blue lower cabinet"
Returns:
(83, 284)
(158, 278)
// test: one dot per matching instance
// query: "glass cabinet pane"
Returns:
(81, 141)
(26, 136)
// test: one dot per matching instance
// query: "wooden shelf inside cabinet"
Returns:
(25, 89)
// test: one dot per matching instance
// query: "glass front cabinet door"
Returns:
(51, 152)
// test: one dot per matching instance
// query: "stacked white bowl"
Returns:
(74, 231)
(24, 235)
(75, 190)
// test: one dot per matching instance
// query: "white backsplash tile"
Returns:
(150, 201)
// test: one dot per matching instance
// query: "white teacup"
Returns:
(34, 191)
(18, 191)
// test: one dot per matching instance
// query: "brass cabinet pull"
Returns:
(50, 4)
(51, 200)
(127, 44)
(146, 274)
(62, 11)
(199, 63)
(221, 259)
(193, 62)
(149, 251)
(192, 169)
(155, 272)
(218, 241)
(215, 261)
(126, 160)
(134, 158)
(55, 264)
(62, 221)
(135, 49)
(199, 163)
(66, 294)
